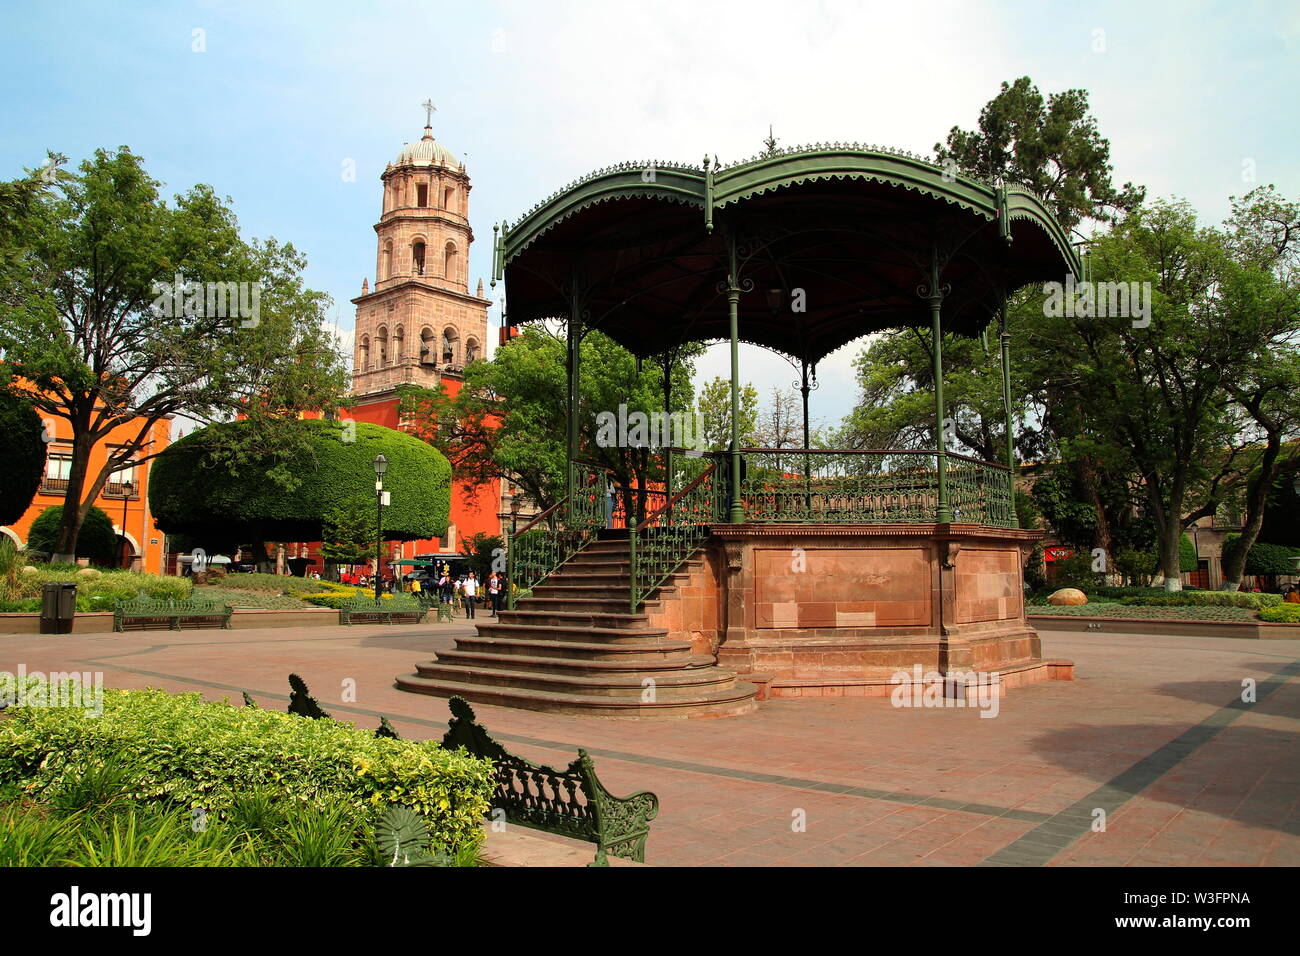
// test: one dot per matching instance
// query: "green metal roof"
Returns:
(851, 226)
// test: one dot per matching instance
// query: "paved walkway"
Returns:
(1153, 732)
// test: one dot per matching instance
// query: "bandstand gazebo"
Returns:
(745, 572)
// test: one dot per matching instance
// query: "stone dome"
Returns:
(426, 152)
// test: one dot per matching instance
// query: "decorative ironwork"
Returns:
(571, 802)
(303, 704)
(364, 609)
(143, 612)
(667, 538)
(980, 492)
(841, 487)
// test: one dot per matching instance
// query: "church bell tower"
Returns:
(419, 324)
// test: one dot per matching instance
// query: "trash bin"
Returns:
(58, 607)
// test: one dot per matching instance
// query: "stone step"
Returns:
(575, 632)
(613, 582)
(575, 665)
(736, 699)
(579, 617)
(666, 651)
(555, 588)
(600, 603)
(666, 685)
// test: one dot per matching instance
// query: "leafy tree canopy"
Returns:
(22, 456)
(194, 491)
(92, 320)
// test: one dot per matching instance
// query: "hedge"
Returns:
(1263, 558)
(191, 493)
(22, 455)
(181, 750)
(96, 591)
(1246, 599)
(339, 596)
(96, 541)
(1281, 614)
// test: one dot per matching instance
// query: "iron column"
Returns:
(1005, 340)
(934, 294)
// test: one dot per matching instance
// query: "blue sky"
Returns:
(1193, 96)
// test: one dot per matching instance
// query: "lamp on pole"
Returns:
(381, 466)
(126, 496)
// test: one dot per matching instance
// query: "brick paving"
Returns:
(1153, 731)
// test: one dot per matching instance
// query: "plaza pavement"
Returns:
(1152, 731)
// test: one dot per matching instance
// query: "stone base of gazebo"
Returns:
(816, 610)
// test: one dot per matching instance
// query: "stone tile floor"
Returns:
(1153, 732)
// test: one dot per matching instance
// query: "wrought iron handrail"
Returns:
(660, 544)
(654, 515)
(530, 560)
(536, 519)
(978, 461)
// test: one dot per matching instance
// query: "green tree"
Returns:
(714, 404)
(1052, 146)
(348, 533)
(98, 545)
(482, 550)
(193, 490)
(22, 456)
(509, 418)
(1160, 397)
(1264, 238)
(94, 327)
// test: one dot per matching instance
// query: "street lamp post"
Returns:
(381, 466)
(126, 496)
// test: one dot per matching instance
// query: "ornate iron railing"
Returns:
(841, 487)
(980, 492)
(660, 545)
(540, 547)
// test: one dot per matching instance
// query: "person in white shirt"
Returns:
(470, 591)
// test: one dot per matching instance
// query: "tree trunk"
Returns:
(1256, 501)
(74, 511)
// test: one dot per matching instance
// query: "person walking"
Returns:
(494, 592)
(471, 592)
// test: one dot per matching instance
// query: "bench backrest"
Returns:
(559, 801)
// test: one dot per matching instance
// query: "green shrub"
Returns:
(340, 596)
(1263, 558)
(100, 593)
(1281, 614)
(96, 541)
(184, 751)
(1204, 599)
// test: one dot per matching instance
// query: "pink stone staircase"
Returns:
(574, 647)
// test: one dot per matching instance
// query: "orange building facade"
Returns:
(124, 498)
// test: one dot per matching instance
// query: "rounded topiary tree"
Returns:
(194, 491)
(22, 456)
(97, 542)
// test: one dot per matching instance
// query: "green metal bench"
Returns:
(570, 802)
(431, 601)
(400, 608)
(303, 704)
(145, 612)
